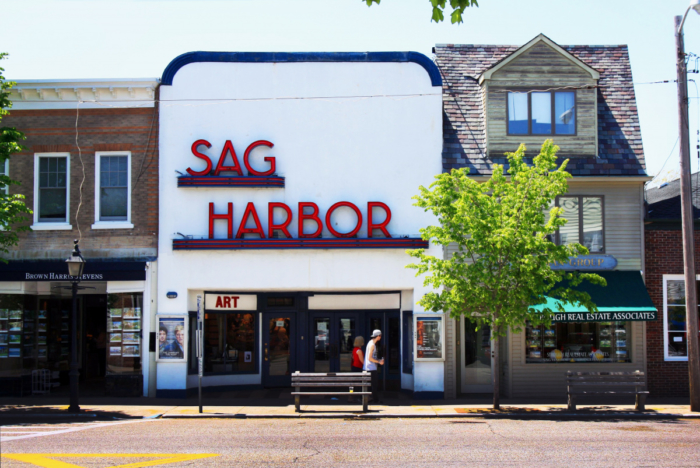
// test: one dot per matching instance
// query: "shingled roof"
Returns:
(464, 141)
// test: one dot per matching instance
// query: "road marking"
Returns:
(30, 432)
(47, 460)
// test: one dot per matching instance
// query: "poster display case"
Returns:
(577, 342)
(429, 337)
(172, 338)
(124, 316)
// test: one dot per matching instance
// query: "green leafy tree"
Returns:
(458, 7)
(501, 268)
(12, 207)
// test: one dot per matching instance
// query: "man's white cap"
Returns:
(376, 333)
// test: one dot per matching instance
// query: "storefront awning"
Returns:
(624, 299)
(56, 270)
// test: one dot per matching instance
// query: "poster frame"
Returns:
(442, 318)
(186, 323)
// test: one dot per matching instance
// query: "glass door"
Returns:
(333, 336)
(279, 348)
(389, 346)
(476, 365)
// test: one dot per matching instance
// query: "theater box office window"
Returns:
(276, 208)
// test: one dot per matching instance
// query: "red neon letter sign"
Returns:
(338, 205)
(201, 156)
(313, 216)
(228, 147)
(269, 159)
(250, 209)
(228, 217)
(381, 226)
(271, 226)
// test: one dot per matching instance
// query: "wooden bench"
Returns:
(610, 383)
(358, 380)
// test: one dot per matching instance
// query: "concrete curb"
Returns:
(587, 416)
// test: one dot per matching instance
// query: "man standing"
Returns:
(371, 363)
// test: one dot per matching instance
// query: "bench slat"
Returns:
(330, 374)
(601, 392)
(331, 393)
(604, 373)
(630, 378)
(329, 384)
(621, 384)
(332, 379)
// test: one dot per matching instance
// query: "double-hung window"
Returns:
(675, 321)
(112, 190)
(585, 223)
(51, 191)
(5, 170)
(542, 113)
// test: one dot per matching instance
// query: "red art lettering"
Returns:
(271, 226)
(219, 304)
(250, 210)
(228, 148)
(224, 302)
(329, 225)
(228, 217)
(381, 226)
(312, 216)
(235, 301)
(269, 159)
(227, 302)
(195, 145)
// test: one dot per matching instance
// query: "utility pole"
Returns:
(691, 300)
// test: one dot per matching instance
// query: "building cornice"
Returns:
(83, 94)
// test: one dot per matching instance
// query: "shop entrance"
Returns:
(476, 363)
(333, 335)
(389, 346)
(279, 348)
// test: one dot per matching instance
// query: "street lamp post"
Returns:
(691, 300)
(75, 263)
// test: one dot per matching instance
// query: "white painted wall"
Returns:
(343, 147)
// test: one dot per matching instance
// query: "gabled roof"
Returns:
(620, 151)
(541, 38)
(664, 202)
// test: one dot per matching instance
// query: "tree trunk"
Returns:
(495, 368)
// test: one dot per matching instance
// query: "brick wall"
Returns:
(133, 129)
(664, 256)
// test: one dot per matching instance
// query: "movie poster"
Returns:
(429, 338)
(172, 338)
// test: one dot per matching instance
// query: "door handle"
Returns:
(265, 349)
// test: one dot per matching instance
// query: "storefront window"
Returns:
(675, 323)
(124, 320)
(18, 334)
(229, 343)
(578, 342)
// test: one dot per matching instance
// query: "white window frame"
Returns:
(7, 173)
(112, 224)
(44, 226)
(668, 278)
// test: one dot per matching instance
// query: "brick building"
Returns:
(667, 357)
(89, 172)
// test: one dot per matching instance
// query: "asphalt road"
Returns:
(387, 442)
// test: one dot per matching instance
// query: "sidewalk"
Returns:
(343, 410)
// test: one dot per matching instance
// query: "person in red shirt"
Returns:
(358, 358)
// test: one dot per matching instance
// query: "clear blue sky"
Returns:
(138, 38)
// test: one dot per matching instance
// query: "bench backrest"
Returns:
(337, 378)
(612, 379)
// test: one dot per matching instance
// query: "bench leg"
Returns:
(364, 400)
(640, 402)
(297, 401)
(572, 402)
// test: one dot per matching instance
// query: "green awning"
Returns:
(625, 298)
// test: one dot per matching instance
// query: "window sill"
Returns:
(51, 227)
(113, 225)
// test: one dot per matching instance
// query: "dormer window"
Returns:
(541, 113)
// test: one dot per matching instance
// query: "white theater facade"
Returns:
(285, 215)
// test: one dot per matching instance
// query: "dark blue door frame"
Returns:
(272, 342)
